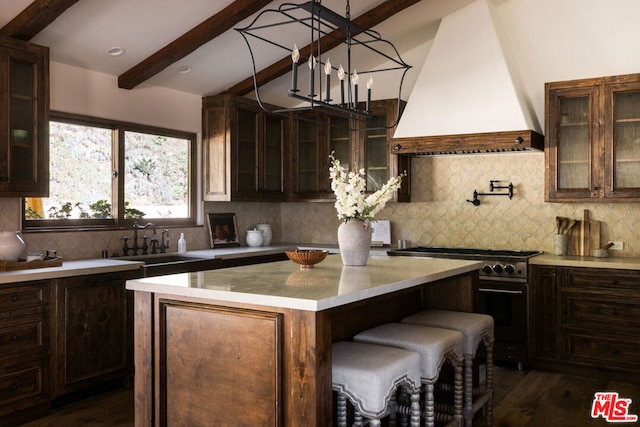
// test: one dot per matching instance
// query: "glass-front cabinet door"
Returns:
(593, 139)
(573, 129)
(246, 158)
(622, 140)
(24, 119)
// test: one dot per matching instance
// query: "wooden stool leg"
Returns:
(457, 394)
(358, 421)
(489, 346)
(342, 410)
(415, 409)
(468, 391)
(429, 406)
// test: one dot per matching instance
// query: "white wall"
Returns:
(80, 91)
(554, 40)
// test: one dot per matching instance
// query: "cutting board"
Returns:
(585, 236)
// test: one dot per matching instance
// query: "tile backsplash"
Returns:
(438, 214)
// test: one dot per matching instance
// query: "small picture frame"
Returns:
(223, 230)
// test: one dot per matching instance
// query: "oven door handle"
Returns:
(501, 291)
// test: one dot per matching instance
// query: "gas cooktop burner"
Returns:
(426, 250)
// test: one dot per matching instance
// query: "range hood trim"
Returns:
(475, 143)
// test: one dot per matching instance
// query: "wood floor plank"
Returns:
(522, 399)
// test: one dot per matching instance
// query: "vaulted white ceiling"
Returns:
(85, 32)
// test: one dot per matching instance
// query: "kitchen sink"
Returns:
(160, 264)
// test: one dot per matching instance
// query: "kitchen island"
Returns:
(252, 345)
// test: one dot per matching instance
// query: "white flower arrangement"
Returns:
(352, 202)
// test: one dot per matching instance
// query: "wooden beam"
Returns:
(190, 41)
(35, 18)
(279, 68)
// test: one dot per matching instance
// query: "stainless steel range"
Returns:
(502, 293)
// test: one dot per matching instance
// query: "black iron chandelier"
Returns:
(338, 47)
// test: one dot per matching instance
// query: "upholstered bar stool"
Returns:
(476, 328)
(369, 375)
(435, 346)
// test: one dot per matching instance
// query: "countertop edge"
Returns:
(69, 269)
(619, 263)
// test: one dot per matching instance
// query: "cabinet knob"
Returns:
(397, 147)
(14, 298)
(14, 338)
(13, 387)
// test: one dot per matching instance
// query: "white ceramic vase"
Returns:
(254, 238)
(11, 245)
(267, 234)
(354, 240)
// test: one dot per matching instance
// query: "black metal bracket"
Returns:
(492, 186)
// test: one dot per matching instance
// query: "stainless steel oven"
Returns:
(502, 293)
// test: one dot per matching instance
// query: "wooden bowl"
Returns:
(307, 258)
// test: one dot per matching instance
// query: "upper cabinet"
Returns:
(365, 143)
(24, 119)
(593, 139)
(251, 155)
(243, 151)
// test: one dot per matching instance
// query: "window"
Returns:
(106, 174)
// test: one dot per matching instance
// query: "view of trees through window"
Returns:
(85, 174)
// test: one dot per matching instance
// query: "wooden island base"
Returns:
(202, 361)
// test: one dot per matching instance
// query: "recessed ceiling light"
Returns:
(185, 69)
(116, 51)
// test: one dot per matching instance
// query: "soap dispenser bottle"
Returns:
(182, 244)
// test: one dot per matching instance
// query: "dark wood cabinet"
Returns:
(587, 319)
(94, 340)
(363, 142)
(24, 351)
(24, 119)
(243, 151)
(591, 139)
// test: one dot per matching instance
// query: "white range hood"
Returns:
(469, 84)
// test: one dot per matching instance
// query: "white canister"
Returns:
(254, 238)
(267, 234)
(11, 245)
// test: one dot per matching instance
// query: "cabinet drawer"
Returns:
(601, 311)
(22, 336)
(23, 296)
(602, 280)
(608, 352)
(30, 382)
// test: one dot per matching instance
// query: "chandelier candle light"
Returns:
(356, 209)
(326, 31)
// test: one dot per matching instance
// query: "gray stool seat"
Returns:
(368, 375)
(435, 347)
(476, 328)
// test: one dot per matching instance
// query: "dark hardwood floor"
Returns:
(522, 398)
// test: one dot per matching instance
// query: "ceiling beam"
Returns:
(279, 68)
(35, 18)
(190, 41)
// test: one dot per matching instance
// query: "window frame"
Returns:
(118, 222)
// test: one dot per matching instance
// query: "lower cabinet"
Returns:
(62, 336)
(586, 318)
(93, 331)
(24, 351)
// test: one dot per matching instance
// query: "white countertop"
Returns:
(283, 284)
(586, 261)
(68, 269)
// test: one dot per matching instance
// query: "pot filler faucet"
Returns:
(154, 241)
